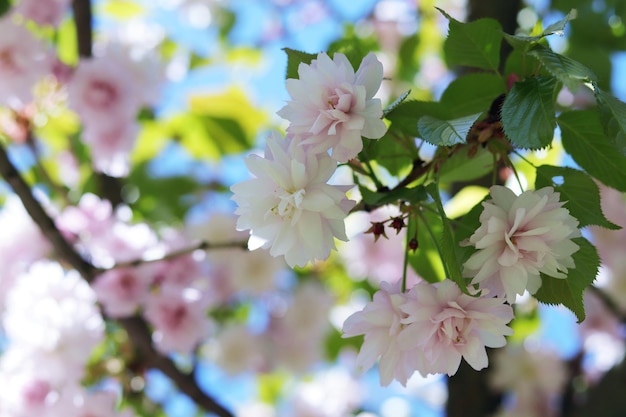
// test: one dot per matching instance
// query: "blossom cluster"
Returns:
(107, 91)
(289, 204)
(431, 327)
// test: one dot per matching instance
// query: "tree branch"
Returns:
(136, 327)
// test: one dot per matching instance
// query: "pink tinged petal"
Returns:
(502, 197)
(370, 74)
(514, 280)
(475, 354)
(323, 123)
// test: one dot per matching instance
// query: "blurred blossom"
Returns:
(536, 377)
(43, 12)
(179, 318)
(381, 260)
(236, 350)
(21, 244)
(24, 60)
(53, 315)
(330, 393)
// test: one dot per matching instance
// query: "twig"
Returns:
(204, 245)
(136, 327)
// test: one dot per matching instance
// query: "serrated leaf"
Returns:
(584, 139)
(557, 28)
(448, 242)
(528, 113)
(524, 42)
(405, 115)
(571, 73)
(390, 152)
(471, 93)
(474, 44)
(569, 291)
(294, 59)
(460, 167)
(613, 117)
(580, 192)
(445, 132)
(395, 103)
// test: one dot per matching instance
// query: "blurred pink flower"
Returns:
(519, 238)
(290, 205)
(442, 325)
(332, 107)
(43, 12)
(381, 321)
(24, 60)
(179, 318)
(122, 291)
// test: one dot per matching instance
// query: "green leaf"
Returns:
(5, 5)
(411, 195)
(460, 167)
(405, 115)
(448, 242)
(67, 44)
(471, 93)
(571, 73)
(396, 103)
(445, 132)
(569, 291)
(528, 113)
(474, 44)
(584, 139)
(580, 192)
(426, 260)
(613, 117)
(524, 42)
(294, 59)
(391, 152)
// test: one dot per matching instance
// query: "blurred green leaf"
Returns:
(584, 139)
(474, 44)
(446, 132)
(121, 9)
(461, 168)
(67, 44)
(569, 291)
(528, 112)
(580, 192)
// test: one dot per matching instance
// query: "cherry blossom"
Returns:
(179, 318)
(24, 60)
(53, 314)
(332, 107)
(122, 291)
(290, 205)
(442, 325)
(519, 238)
(381, 321)
(236, 350)
(43, 12)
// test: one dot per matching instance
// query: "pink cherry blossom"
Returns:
(53, 315)
(290, 205)
(519, 238)
(381, 321)
(236, 350)
(179, 318)
(332, 107)
(107, 99)
(122, 291)
(442, 325)
(43, 12)
(24, 60)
